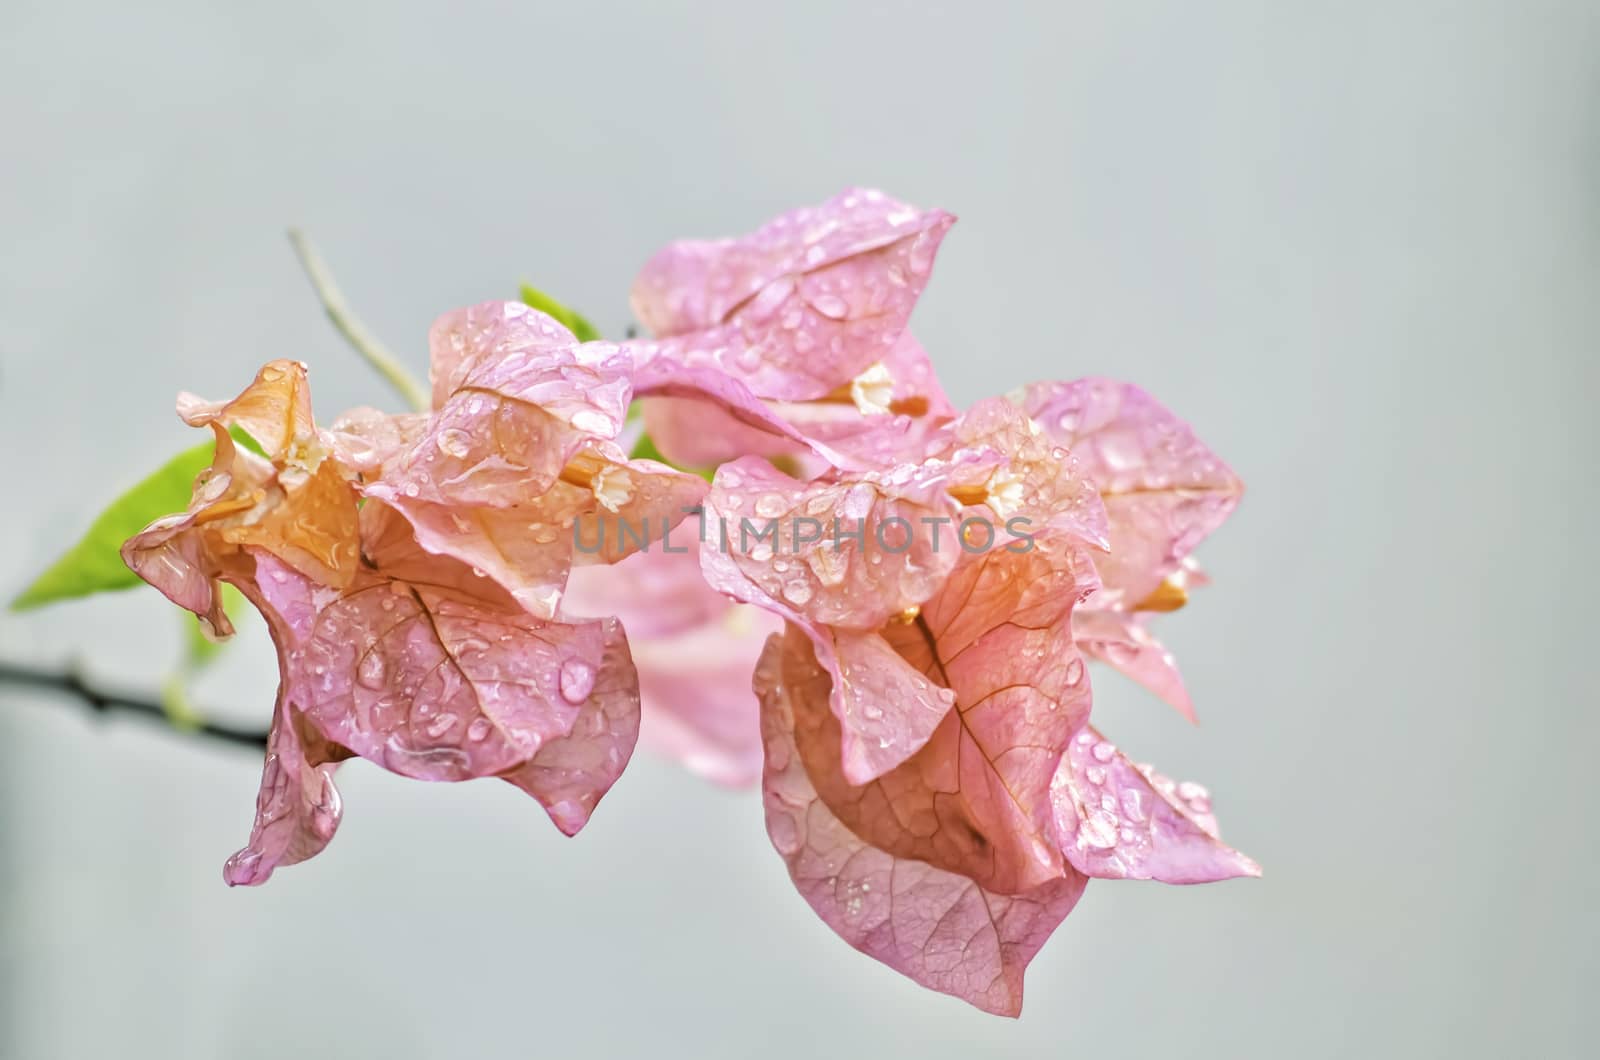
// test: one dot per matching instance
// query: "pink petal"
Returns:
(516, 398)
(526, 550)
(724, 410)
(1044, 484)
(570, 774)
(365, 439)
(1121, 639)
(648, 499)
(433, 673)
(1164, 489)
(851, 552)
(887, 709)
(297, 809)
(939, 928)
(976, 798)
(1117, 820)
(803, 304)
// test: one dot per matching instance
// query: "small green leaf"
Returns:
(645, 449)
(94, 564)
(569, 318)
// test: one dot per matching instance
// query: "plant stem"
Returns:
(70, 682)
(355, 332)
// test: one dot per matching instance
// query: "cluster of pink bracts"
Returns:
(920, 716)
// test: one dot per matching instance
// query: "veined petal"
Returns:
(1164, 489)
(939, 928)
(1117, 820)
(803, 304)
(975, 798)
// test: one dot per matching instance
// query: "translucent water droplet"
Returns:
(1103, 751)
(452, 441)
(577, 680)
(478, 730)
(1099, 830)
(372, 670)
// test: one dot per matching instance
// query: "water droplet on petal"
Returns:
(1099, 830)
(372, 670)
(452, 441)
(577, 680)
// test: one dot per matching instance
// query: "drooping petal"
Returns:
(570, 774)
(432, 672)
(937, 927)
(1164, 489)
(1121, 639)
(799, 306)
(1116, 820)
(975, 799)
(297, 807)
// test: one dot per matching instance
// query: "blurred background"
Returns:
(1357, 245)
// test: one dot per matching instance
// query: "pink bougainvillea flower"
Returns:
(432, 672)
(518, 463)
(807, 316)
(936, 704)
(695, 650)
(947, 866)
(405, 657)
(1164, 491)
(848, 552)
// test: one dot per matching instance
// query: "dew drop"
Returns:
(577, 680)
(1099, 831)
(372, 671)
(453, 441)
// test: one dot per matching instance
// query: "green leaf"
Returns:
(568, 317)
(94, 564)
(645, 449)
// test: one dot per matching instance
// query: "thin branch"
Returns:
(102, 702)
(355, 332)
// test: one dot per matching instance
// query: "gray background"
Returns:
(1356, 244)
